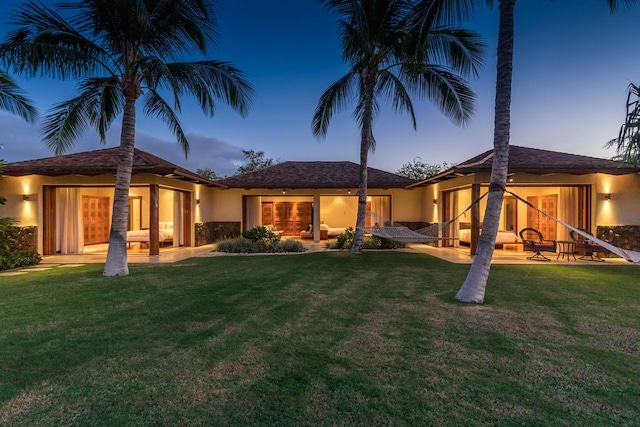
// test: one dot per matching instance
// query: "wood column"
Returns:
(475, 218)
(154, 218)
(316, 218)
(48, 220)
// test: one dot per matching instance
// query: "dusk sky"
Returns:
(572, 67)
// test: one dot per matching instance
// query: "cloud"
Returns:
(22, 141)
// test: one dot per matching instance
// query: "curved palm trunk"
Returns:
(116, 264)
(365, 144)
(473, 288)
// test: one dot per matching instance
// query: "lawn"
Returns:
(320, 339)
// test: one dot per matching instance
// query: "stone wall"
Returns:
(20, 239)
(622, 236)
(210, 232)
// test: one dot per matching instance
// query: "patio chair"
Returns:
(532, 240)
(587, 247)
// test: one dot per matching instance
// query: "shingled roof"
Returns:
(314, 175)
(536, 161)
(98, 162)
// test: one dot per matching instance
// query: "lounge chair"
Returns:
(532, 240)
(587, 247)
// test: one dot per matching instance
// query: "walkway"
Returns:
(453, 255)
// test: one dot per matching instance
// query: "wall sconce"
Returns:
(435, 201)
(607, 196)
(284, 191)
(25, 197)
(348, 191)
(197, 201)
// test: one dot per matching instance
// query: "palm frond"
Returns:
(97, 105)
(13, 99)
(627, 144)
(462, 50)
(45, 43)
(392, 87)
(448, 90)
(155, 105)
(332, 100)
(207, 81)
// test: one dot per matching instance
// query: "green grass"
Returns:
(320, 339)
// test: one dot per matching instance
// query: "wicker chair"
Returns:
(532, 240)
(586, 247)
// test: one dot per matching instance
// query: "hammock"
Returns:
(629, 255)
(430, 233)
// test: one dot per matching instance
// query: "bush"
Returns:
(10, 257)
(266, 239)
(18, 259)
(345, 240)
(238, 245)
(289, 245)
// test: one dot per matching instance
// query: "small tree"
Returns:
(208, 173)
(255, 160)
(419, 170)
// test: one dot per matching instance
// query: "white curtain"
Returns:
(70, 231)
(567, 211)
(178, 232)
(380, 210)
(254, 211)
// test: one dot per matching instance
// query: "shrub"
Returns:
(18, 259)
(345, 240)
(266, 239)
(289, 245)
(238, 245)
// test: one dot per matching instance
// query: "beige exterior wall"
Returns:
(30, 213)
(624, 206)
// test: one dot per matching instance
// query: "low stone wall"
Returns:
(210, 232)
(21, 238)
(622, 236)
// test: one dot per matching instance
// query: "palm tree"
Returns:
(120, 51)
(473, 288)
(627, 143)
(387, 61)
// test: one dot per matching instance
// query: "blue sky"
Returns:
(572, 66)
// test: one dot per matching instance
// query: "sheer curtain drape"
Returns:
(70, 230)
(567, 210)
(254, 211)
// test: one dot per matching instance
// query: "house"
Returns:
(68, 199)
(599, 195)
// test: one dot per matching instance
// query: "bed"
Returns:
(502, 237)
(165, 234)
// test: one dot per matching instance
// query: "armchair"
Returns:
(587, 247)
(533, 241)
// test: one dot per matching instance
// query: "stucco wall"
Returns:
(624, 206)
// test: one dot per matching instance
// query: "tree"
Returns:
(473, 288)
(255, 160)
(627, 144)
(208, 173)
(418, 170)
(388, 62)
(121, 51)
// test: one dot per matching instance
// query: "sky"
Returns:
(572, 67)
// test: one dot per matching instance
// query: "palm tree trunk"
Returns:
(365, 145)
(473, 288)
(116, 264)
